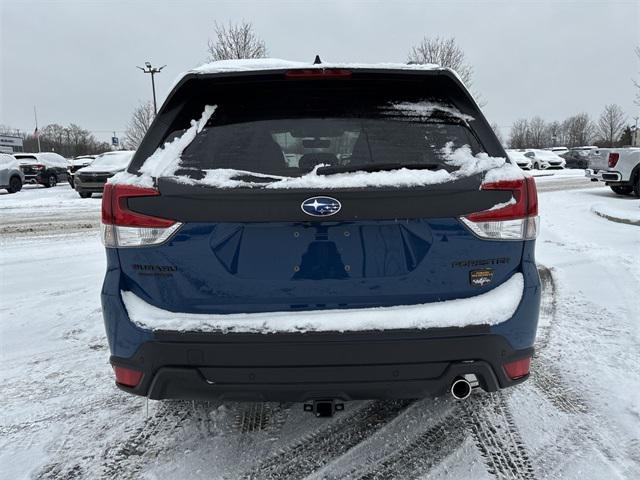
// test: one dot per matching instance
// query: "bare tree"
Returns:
(236, 41)
(610, 124)
(444, 52)
(496, 129)
(554, 134)
(580, 130)
(138, 125)
(536, 133)
(519, 134)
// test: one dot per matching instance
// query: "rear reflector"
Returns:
(127, 377)
(122, 227)
(318, 73)
(518, 369)
(613, 159)
(516, 219)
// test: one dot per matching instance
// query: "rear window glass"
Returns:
(293, 136)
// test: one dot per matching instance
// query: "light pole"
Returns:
(152, 70)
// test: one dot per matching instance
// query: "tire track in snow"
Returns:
(421, 454)
(545, 376)
(126, 459)
(259, 416)
(496, 435)
(317, 449)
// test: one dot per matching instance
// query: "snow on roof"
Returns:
(265, 64)
(489, 308)
(278, 64)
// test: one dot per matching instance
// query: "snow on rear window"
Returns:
(409, 154)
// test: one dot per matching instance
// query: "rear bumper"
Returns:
(92, 187)
(603, 175)
(300, 367)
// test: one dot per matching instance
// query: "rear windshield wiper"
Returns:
(247, 177)
(379, 167)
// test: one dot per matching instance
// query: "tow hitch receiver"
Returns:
(323, 408)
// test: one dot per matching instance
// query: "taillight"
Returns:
(324, 73)
(37, 167)
(122, 227)
(518, 369)
(613, 159)
(127, 377)
(513, 220)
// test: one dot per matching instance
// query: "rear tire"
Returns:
(15, 184)
(84, 194)
(636, 185)
(621, 189)
(51, 181)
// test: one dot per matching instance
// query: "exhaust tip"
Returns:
(460, 389)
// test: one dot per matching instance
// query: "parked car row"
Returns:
(46, 168)
(536, 158)
(87, 174)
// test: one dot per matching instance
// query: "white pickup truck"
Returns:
(619, 168)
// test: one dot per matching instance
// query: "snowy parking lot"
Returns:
(577, 417)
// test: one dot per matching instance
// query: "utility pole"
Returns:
(36, 132)
(152, 70)
(634, 142)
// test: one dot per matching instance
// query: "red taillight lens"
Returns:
(518, 369)
(613, 159)
(122, 227)
(525, 201)
(38, 167)
(319, 73)
(127, 377)
(514, 220)
(116, 212)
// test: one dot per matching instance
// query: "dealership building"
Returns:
(11, 144)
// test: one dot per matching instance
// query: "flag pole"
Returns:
(35, 114)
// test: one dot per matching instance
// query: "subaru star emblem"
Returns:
(321, 206)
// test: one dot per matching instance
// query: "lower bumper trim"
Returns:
(391, 368)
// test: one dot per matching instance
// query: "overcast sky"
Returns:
(76, 60)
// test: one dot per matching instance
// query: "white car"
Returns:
(545, 159)
(520, 159)
(11, 177)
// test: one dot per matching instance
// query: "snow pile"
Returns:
(424, 110)
(625, 211)
(490, 308)
(166, 159)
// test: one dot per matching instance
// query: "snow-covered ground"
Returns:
(578, 417)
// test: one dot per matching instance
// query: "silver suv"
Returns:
(11, 177)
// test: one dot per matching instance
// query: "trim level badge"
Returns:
(480, 278)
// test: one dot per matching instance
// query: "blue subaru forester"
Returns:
(341, 285)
